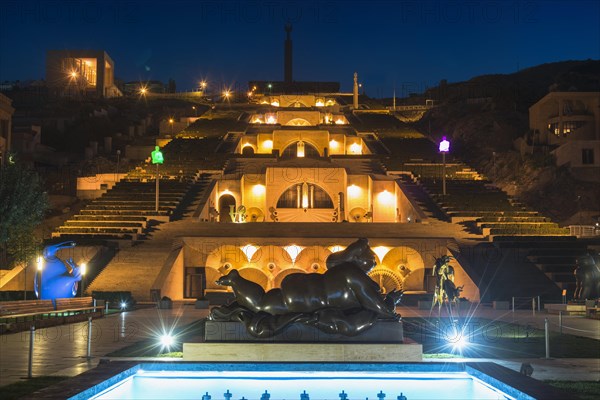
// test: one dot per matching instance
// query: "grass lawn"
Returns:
(586, 390)
(153, 348)
(484, 338)
(27, 386)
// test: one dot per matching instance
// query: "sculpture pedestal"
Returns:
(299, 352)
(381, 332)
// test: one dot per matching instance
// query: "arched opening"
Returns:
(284, 273)
(298, 104)
(300, 149)
(304, 195)
(255, 275)
(248, 151)
(225, 203)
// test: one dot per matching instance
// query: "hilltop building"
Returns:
(569, 122)
(6, 113)
(81, 73)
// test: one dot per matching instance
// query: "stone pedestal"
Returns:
(298, 352)
(381, 332)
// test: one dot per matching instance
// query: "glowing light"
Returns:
(83, 268)
(333, 144)
(40, 263)
(123, 305)
(143, 90)
(268, 144)
(386, 198)
(354, 191)
(336, 248)
(226, 94)
(340, 121)
(355, 148)
(167, 340)
(257, 120)
(275, 103)
(73, 74)
(459, 341)
(224, 192)
(319, 103)
(293, 251)
(203, 84)
(444, 145)
(250, 94)
(171, 120)
(258, 190)
(300, 149)
(381, 251)
(270, 86)
(249, 250)
(271, 119)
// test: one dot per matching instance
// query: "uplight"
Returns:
(354, 191)
(386, 198)
(258, 190)
(355, 148)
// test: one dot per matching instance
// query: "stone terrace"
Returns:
(124, 211)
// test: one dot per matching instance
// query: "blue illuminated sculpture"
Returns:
(56, 278)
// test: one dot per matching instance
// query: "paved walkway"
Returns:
(61, 350)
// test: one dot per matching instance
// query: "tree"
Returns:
(23, 204)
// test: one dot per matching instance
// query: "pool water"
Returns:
(303, 385)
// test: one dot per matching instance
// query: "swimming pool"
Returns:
(304, 381)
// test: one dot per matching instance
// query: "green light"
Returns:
(157, 156)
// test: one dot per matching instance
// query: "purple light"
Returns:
(444, 145)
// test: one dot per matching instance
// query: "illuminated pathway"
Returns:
(61, 350)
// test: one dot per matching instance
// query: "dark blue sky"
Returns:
(413, 44)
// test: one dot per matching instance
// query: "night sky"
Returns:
(409, 44)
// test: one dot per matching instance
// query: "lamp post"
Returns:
(118, 159)
(83, 272)
(40, 268)
(171, 123)
(157, 158)
(444, 148)
(195, 111)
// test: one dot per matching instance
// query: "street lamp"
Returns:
(171, 123)
(195, 111)
(157, 158)
(83, 272)
(40, 268)
(118, 159)
(203, 86)
(444, 148)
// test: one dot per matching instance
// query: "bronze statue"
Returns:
(445, 289)
(587, 275)
(343, 300)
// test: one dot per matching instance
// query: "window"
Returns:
(587, 156)
(304, 196)
(307, 150)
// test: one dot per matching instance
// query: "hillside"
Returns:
(483, 116)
